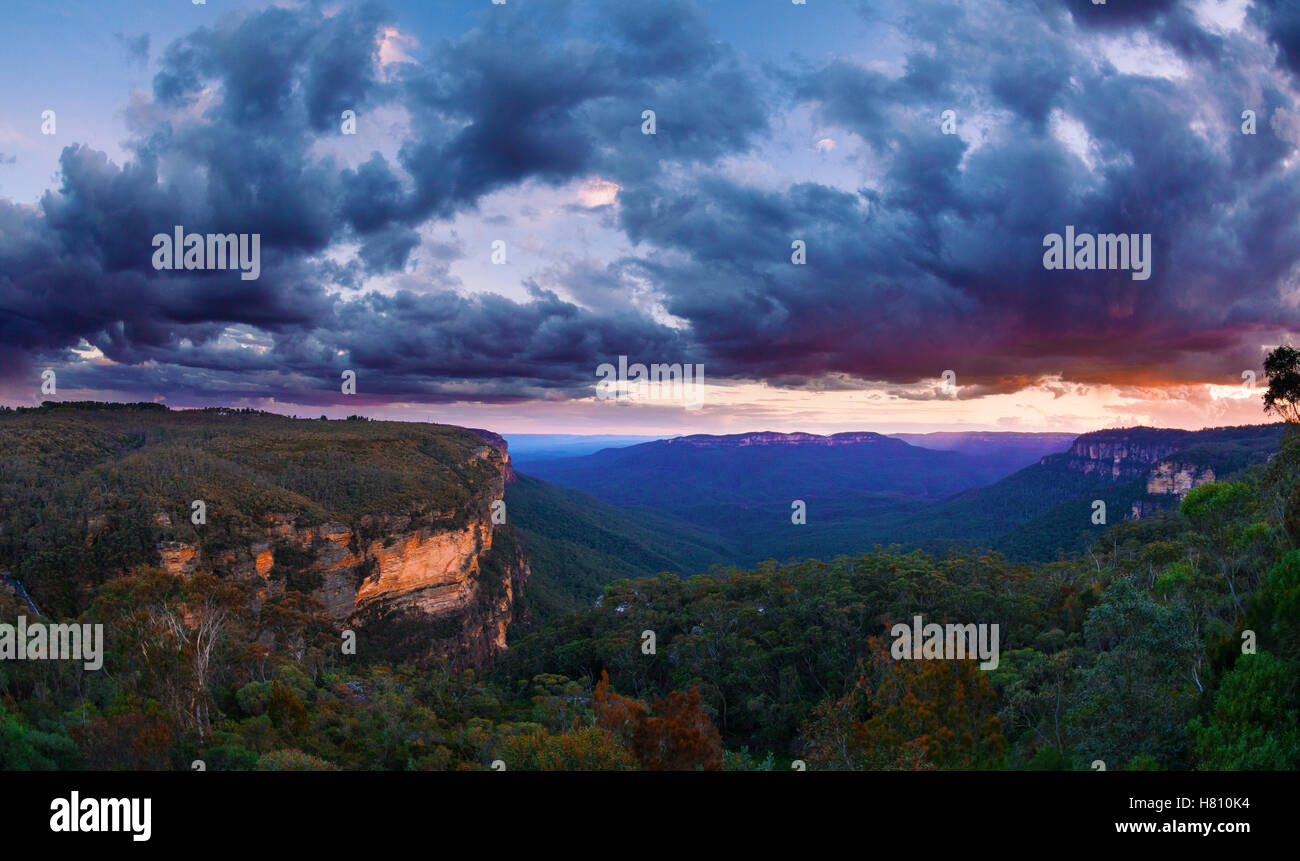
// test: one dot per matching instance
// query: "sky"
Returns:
(840, 215)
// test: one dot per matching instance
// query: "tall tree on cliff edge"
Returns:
(1282, 367)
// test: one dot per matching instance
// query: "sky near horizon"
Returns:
(500, 224)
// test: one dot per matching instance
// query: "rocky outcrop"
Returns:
(448, 579)
(1177, 478)
(1195, 457)
(1166, 484)
(427, 571)
(497, 442)
(1122, 455)
(178, 557)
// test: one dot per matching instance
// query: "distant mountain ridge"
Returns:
(526, 448)
(865, 488)
(682, 473)
(776, 438)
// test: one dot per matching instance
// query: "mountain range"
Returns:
(397, 529)
(1029, 496)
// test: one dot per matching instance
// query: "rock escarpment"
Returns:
(394, 530)
(1166, 484)
(1171, 478)
(445, 580)
(1160, 466)
(1122, 455)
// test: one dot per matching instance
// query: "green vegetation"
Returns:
(577, 545)
(1171, 643)
(89, 490)
(1036, 514)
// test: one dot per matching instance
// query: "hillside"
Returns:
(862, 489)
(685, 473)
(385, 526)
(577, 545)
(1047, 508)
(224, 636)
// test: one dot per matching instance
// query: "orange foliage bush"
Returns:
(909, 715)
(671, 734)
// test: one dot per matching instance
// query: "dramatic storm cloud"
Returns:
(500, 224)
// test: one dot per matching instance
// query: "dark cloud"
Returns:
(389, 249)
(1117, 14)
(250, 97)
(939, 264)
(933, 262)
(555, 107)
(1281, 21)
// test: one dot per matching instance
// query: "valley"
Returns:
(381, 595)
(1027, 497)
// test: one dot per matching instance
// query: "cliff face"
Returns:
(1166, 464)
(1177, 460)
(1122, 455)
(425, 567)
(393, 527)
(1161, 459)
(1176, 479)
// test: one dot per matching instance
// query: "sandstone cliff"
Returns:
(1122, 455)
(1163, 465)
(1176, 479)
(422, 570)
(390, 526)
